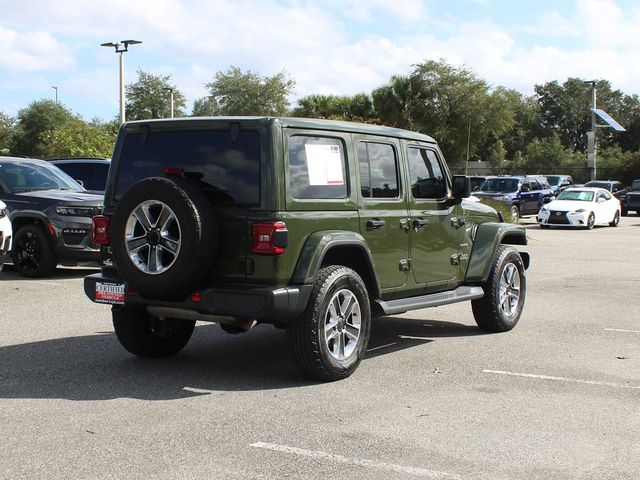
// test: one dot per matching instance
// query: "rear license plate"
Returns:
(108, 292)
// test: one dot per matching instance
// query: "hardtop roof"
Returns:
(298, 122)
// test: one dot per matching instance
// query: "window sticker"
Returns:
(324, 164)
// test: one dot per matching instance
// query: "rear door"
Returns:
(384, 216)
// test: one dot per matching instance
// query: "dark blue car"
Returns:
(525, 194)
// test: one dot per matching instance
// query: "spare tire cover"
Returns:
(164, 237)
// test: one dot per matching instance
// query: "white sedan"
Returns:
(5, 233)
(581, 207)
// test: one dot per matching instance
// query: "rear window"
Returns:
(226, 166)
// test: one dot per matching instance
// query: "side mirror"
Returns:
(601, 200)
(524, 188)
(461, 187)
(80, 182)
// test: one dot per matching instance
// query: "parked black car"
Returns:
(90, 172)
(632, 199)
(51, 216)
(615, 187)
(525, 194)
(559, 182)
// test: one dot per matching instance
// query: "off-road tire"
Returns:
(32, 253)
(144, 335)
(487, 310)
(198, 237)
(306, 334)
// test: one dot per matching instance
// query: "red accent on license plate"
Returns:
(110, 293)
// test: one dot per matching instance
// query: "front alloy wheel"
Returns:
(504, 293)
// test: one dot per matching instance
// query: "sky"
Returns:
(338, 47)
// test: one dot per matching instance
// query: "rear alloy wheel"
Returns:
(616, 220)
(591, 221)
(330, 338)
(32, 253)
(504, 293)
(146, 335)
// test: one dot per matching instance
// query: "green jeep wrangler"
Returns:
(315, 226)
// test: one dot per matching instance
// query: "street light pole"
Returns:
(121, 48)
(170, 90)
(591, 136)
(56, 89)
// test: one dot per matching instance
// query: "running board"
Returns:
(460, 294)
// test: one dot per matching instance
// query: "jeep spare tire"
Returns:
(163, 237)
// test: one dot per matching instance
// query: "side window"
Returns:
(426, 176)
(378, 170)
(317, 168)
(534, 185)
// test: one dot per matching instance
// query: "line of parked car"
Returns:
(50, 212)
(522, 196)
(46, 207)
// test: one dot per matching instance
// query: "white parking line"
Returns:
(409, 337)
(563, 379)
(621, 330)
(420, 472)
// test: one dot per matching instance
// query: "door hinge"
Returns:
(405, 265)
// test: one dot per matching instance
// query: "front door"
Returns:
(436, 224)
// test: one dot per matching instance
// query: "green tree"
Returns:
(392, 101)
(566, 110)
(455, 107)
(248, 93)
(7, 124)
(149, 97)
(39, 117)
(79, 139)
(358, 107)
(548, 155)
(204, 107)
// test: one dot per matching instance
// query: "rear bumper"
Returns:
(270, 305)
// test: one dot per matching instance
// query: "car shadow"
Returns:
(391, 334)
(96, 367)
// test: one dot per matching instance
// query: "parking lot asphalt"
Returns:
(556, 398)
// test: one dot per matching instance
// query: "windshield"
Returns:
(28, 176)
(579, 195)
(635, 186)
(500, 185)
(553, 179)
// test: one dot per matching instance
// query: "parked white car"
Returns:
(581, 207)
(5, 233)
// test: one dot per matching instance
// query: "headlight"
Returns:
(500, 199)
(78, 211)
(580, 210)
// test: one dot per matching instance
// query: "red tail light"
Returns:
(101, 229)
(270, 238)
